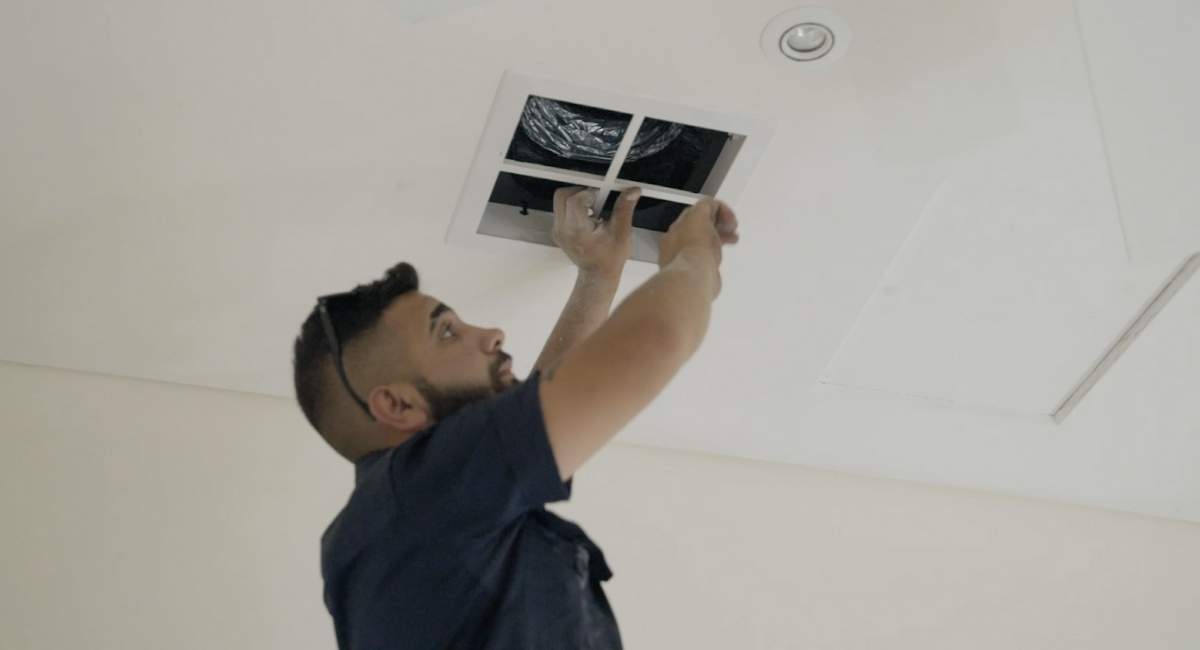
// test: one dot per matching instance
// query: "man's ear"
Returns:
(400, 407)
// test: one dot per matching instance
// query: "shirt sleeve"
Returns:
(481, 467)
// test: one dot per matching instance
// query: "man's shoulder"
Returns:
(367, 511)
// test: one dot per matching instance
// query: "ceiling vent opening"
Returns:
(542, 136)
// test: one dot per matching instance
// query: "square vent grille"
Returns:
(675, 154)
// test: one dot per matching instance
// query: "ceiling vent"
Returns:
(543, 135)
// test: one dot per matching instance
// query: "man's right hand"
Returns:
(707, 226)
(609, 377)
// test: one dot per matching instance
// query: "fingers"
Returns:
(577, 202)
(721, 216)
(706, 208)
(622, 218)
(565, 194)
(582, 201)
(560, 195)
(726, 220)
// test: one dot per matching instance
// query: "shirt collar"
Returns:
(365, 463)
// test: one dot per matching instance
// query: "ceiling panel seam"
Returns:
(1145, 316)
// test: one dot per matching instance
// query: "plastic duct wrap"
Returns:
(584, 139)
(581, 133)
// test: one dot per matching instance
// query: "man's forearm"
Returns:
(585, 311)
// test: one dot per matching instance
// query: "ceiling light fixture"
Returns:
(813, 37)
(806, 41)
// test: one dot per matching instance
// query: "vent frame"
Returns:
(479, 223)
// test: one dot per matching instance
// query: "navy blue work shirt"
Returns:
(445, 542)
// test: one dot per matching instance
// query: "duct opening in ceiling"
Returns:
(525, 192)
(581, 138)
(543, 135)
(651, 214)
(532, 195)
(568, 136)
(685, 163)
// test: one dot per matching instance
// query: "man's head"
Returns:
(408, 356)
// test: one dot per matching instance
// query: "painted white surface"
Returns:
(419, 10)
(1109, 451)
(1143, 58)
(178, 183)
(1160, 300)
(141, 515)
(1015, 276)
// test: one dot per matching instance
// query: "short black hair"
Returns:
(359, 311)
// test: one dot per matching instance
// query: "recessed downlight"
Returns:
(806, 41)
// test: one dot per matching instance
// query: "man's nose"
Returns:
(492, 340)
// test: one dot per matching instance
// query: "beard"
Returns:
(444, 402)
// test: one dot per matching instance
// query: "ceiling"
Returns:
(949, 227)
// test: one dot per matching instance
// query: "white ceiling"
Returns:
(945, 233)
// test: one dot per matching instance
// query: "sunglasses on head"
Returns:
(326, 305)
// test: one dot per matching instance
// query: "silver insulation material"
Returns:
(575, 133)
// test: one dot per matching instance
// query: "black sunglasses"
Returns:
(324, 304)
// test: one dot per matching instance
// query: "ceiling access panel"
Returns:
(675, 154)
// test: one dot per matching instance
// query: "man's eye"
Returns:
(447, 333)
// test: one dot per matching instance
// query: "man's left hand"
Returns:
(593, 244)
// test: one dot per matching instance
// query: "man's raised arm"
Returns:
(609, 377)
(600, 251)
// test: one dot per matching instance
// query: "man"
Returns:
(445, 541)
